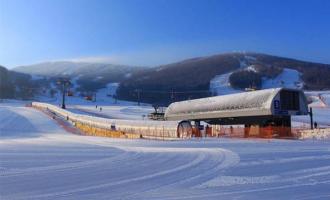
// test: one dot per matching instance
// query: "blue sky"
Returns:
(153, 32)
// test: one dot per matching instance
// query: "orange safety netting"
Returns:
(250, 132)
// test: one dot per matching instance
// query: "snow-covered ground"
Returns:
(110, 108)
(320, 115)
(321, 109)
(40, 160)
(115, 111)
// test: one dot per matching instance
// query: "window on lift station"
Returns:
(289, 100)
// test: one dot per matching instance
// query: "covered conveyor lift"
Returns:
(255, 108)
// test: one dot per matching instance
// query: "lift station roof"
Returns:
(275, 101)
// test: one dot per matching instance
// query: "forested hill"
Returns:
(191, 78)
(16, 85)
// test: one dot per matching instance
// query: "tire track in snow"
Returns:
(202, 154)
(208, 195)
(291, 176)
(124, 181)
(67, 166)
(285, 160)
(223, 159)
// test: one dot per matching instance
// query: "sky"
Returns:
(155, 32)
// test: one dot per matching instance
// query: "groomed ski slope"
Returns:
(289, 78)
(40, 160)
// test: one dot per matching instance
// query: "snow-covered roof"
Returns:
(254, 103)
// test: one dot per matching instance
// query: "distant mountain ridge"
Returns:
(191, 78)
(87, 77)
(16, 85)
(109, 72)
(187, 79)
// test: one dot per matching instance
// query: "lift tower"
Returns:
(64, 83)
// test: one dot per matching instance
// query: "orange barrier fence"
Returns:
(251, 132)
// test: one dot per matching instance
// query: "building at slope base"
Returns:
(262, 113)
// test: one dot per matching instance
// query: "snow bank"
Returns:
(15, 117)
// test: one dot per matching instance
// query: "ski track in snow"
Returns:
(46, 162)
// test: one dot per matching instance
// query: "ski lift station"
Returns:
(264, 113)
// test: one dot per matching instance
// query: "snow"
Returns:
(321, 109)
(320, 115)
(111, 108)
(46, 162)
(242, 63)
(15, 119)
(220, 85)
(289, 78)
(128, 75)
(37, 77)
(256, 103)
(251, 68)
(326, 98)
(132, 112)
(246, 61)
(74, 83)
(250, 58)
(110, 90)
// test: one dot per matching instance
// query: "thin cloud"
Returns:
(95, 59)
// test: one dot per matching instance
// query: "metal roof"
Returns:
(253, 103)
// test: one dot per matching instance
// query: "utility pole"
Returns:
(64, 83)
(115, 98)
(172, 96)
(138, 91)
(311, 117)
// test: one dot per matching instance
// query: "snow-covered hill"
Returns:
(248, 69)
(289, 78)
(189, 78)
(68, 68)
(220, 85)
(87, 75)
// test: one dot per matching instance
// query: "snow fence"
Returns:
(98, 126)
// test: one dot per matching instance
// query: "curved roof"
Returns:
(254, 103)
